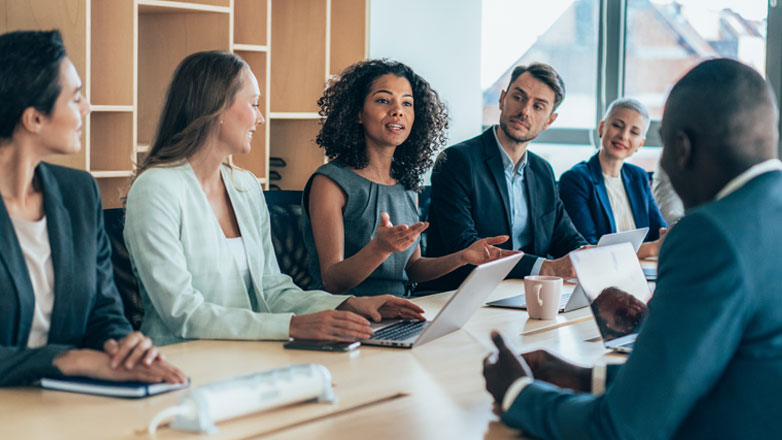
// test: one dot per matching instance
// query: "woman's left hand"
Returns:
(483, 250)
(130, 350)
(384, 306)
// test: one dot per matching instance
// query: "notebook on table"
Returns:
(86, 385)
(575, 299)
(468, 297)
(617, 290)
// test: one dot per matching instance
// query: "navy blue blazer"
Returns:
(708, 359)
(583, 192)
(87, 308)
(470, 202)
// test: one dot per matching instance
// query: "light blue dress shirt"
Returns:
(521, 231)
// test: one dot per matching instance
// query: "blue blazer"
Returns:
(708, 359)
(470, 201)
(87, 308)
(583, 192)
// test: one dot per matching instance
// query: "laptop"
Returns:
(617, 290)
(468, 297)
(575, 299)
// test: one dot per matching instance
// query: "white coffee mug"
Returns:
(543, 295)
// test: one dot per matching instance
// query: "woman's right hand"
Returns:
(331, 325)
(97, 365)
(397, 238)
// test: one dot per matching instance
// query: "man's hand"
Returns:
(330, 325)
(502, 368)
(384, 306)
(130, 350)
(484, 250)
(397, 238)
(554, 370)
(561, 267)
(97, 365)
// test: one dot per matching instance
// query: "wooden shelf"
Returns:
(177, 7)
(250, 48)
(111, 108)
(251, 22)
(299, 44)
(294, 142)
(110, 174)
(111, 141)
(348, 42)
(113, 189)
(111, 71)
(294, 115)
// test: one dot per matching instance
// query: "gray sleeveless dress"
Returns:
(365, 201)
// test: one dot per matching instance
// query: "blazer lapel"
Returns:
(633, 191)
(596, 173)
(533, 208)
(58, 222)
(13, 259)
(494, 163)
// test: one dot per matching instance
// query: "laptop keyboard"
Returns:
(400, 331)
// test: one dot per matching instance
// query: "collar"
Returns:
(506, 161)
(754, 171)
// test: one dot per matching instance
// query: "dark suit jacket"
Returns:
(470, 202)
(708, 359)
(583, 192)
(87, 309)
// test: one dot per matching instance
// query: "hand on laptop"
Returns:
(502, 368)
(555, 370)
(561, 267)
(382, 307)
(330, 325)
(484, 250)
(652, 248)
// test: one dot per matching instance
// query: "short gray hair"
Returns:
(629, 104)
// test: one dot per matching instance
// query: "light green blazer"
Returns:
(189, 281)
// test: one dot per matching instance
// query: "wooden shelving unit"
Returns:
(127, 50)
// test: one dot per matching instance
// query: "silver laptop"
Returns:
(617, 290)
(576, 299)
(470, 295)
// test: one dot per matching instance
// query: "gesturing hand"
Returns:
(483, 251)
(331, 325)
(502, 368)
(397, 238)
(130, 350)
(554, 370)
(383, 306)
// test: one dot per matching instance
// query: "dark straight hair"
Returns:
(29, 75)
(204, 85)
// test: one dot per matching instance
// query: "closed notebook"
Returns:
(108, 388)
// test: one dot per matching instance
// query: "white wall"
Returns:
(441, 41)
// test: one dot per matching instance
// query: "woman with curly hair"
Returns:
(382, 127)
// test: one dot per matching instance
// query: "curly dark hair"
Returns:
(343, 137)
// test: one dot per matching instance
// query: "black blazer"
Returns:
(470, 202)
(87, 308)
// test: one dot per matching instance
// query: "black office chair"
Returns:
(126, 282)
(424, 200)
(287, 219)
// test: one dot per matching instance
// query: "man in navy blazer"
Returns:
(492, 185)
(708, 359)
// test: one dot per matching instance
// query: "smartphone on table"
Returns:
(305, 344)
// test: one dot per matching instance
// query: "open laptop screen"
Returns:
(616, 287)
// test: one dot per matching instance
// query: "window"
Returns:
(606, 49)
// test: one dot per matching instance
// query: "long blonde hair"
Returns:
(204, 85)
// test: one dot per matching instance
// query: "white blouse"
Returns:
(236, 245)
(620, 204)
(34, 240)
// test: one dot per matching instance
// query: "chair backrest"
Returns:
(127, 285)
(287, 220)
(424, 200)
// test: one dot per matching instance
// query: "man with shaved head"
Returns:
(708, 359)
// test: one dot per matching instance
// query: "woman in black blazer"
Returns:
(60, 313)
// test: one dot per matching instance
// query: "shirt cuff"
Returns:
(513, 391)
(536, 267)
(599, 378)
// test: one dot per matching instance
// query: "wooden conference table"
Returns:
(435, 391)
